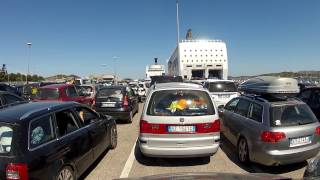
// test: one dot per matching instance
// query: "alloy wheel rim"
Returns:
(65, 174)
(114, 136)
(242, 150)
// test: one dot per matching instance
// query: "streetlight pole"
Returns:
(29, 54)
(115, 68)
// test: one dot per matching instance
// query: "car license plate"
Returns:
(108, 104)
(224, 96)
(300, 141)
(181, 129)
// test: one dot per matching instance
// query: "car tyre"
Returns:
(243, 151)
(113, 137)
(66, 173)
(130, 117)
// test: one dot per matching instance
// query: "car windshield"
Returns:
(110, 92)
(180, 103)
(46, 93)
(222, 87)
(6, 134)
(291, 115)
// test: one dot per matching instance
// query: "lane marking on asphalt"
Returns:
(127, 167)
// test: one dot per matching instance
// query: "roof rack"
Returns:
(255, 96)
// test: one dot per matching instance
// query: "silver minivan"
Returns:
(179, 120)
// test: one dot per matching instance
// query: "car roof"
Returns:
(289, 101)
(57, 86)
(218, 80)
(21, 112)
(113, 87)
(177, 85)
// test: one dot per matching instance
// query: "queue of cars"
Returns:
(271, 128)
(62, 131)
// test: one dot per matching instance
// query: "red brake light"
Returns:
(209, 127)
(17, 171)
(318, 130)
(150, 128)
(125, 101)
(272, 137)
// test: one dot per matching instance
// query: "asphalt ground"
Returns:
(127, 161)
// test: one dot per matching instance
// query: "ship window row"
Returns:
(203, 60)
(206, 55)
(206, 50)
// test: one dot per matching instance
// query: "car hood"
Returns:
(215, 176)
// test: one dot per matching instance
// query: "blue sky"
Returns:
(77, 37)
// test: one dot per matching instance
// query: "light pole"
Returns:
(115, 68)
(29, 54)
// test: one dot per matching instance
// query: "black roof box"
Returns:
(271, 86)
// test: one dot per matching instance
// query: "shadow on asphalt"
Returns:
(168, 162)
(231, 152)
(94, 165)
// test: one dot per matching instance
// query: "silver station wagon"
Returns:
(271, 132)
(179, 120)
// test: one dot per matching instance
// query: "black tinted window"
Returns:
(10, 99)
(41, 131)
(222, 87)
(242, 107)
(86, 116)
(231, 106)
(45, 93)
(255, 112)
(314, 102)
(110, 92)
(66, 123)
(71, 92)
(291, 115)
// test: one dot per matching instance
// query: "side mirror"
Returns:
(313, 169)
(221, 109)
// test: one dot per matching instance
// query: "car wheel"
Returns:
(66, 173)
(243, 151)
(130, 117)
(113, 137)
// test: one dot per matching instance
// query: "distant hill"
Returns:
(61, 77)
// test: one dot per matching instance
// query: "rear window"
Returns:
(291, 115)
(44, 93)
(110, 93)
(6, 133)
(222, 87)
(180, 103)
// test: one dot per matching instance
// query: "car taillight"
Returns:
(209, 127)
(125, 101)
(318, 131)
(149, 128)
(17, 171)
(272, 137)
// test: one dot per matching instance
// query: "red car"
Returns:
(62, 92)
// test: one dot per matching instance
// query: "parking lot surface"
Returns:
(126, 160)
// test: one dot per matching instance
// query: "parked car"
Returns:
(311, 96)
(6, 87)
(62, 92)
(142, 91)
(165, 79)
(8, 99)
(270, 132)
(179, 120)
(119, 102)
(52, 140)
(222, 91)
(90, 89)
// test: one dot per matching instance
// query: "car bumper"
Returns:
(276, 157)
(118, 115)
(178, 152)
